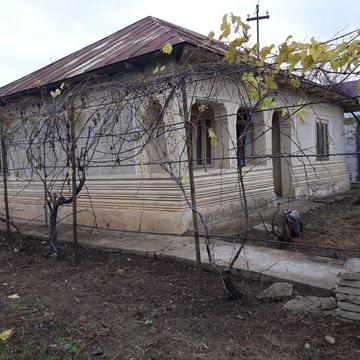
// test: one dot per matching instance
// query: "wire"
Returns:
(117, 163)
(203, 236)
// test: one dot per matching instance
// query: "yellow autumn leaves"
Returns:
(58, 91)
(6, 334)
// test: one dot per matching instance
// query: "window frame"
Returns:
(322, 140)
(201, 142)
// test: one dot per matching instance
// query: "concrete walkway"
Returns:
(254, 261)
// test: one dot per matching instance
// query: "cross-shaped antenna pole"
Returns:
(257, 18)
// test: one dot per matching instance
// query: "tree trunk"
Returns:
(54, 242)
(230, 290)
(4, 167)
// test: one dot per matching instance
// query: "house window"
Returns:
(202, 120)
(322, 141)
(244, 136)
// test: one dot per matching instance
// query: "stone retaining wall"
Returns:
(348, 291)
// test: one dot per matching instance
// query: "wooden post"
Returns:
(189, 147)
(73, 179)
(4, 169)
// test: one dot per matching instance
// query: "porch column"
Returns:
(267, 118)
(231, 111)
(175, 140)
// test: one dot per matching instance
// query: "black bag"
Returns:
(292, 223)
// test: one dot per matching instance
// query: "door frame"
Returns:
(281, 144)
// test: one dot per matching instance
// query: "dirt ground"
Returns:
(329, 223)
(335, 224)
(115, 306)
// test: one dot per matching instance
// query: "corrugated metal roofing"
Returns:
(350, 88)
(142, 37)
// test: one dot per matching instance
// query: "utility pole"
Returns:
(257, 18)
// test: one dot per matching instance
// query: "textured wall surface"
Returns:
(350, 147)
(135, 198)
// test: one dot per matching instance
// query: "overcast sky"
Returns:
(37, 32)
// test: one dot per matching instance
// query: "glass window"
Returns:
(202, 120)
(322, 141)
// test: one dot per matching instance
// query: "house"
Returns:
(352, 128)
(135, 197)
(352, 146)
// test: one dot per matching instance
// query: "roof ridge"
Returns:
(169, 26)
(179, 29)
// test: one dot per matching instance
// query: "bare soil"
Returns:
(335, 224)
(115, 306)
(331, 228)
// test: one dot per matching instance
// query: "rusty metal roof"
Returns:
(350, 88)
(142, 37)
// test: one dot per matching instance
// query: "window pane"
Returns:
(248, 144)
(326, 140)
(322, 141)
(317, 138)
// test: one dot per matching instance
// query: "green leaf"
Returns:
(270, 83)
(303, 120)
(225, 28)
(77, 120)
(265, 51)
(211, 35)
(69, 345)
(268, 102)
(235, 19)
(167, 49)
(307, 62)
(240, 41)
(296, 82)
(293, 60)
(302, 112)
(253, 94)
(284, 112)
(231, 55)
(212, 136)
(184, 179)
